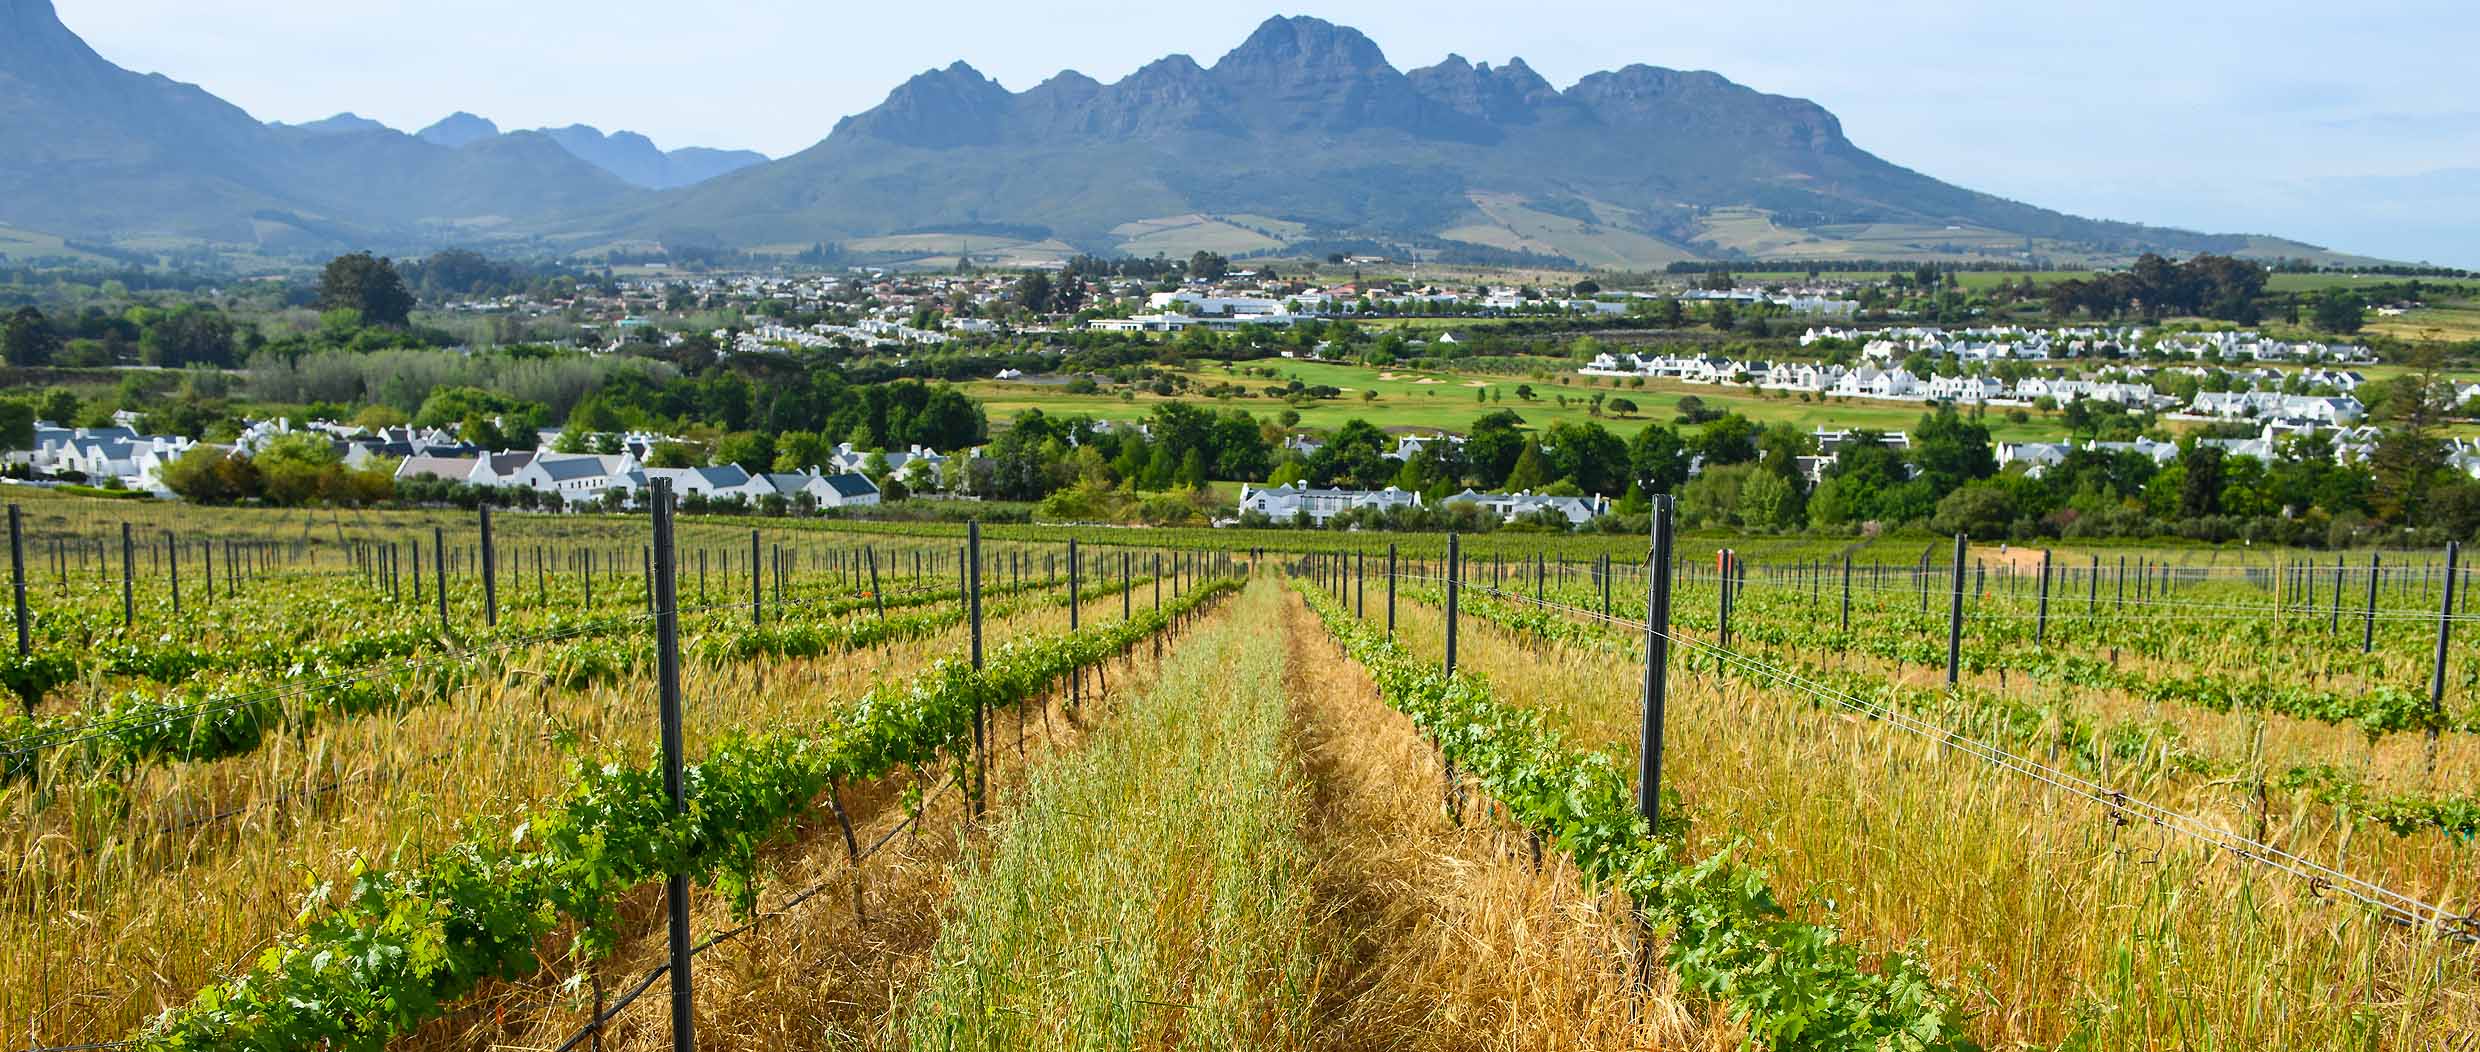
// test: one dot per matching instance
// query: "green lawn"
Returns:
(1444, 400)
(2452, 321)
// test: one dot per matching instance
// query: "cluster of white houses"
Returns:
(102, 455)
(580, 478)
(1996, 343)
(121, 455)
(2350, 445)
(1224, 310)
(1286, 503)
(1289, 502)
(1895, 383)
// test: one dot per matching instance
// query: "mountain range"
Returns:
(626, 154)
(1303, 138)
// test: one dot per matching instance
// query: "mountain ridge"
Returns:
(1307, 122)
(1302, 136)
(627, 154)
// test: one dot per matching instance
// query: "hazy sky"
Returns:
(2354, 125)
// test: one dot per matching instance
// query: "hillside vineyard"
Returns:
(437, 780)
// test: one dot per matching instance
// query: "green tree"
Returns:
(291, 467)
(1767, 501)
(16, 424)
(1354, 457)
(1980, 509)
(593, 415)
(1240, 450)
(1658, 459)
(1161, 469)
(1193, 468)
(1020, 467)
(671, 455)
(752, 450)
(1713, 497)
(362, 282)
(2409, 451)
(1728, 439)
(209, 475)
(1495, 441)
(2341, 311)
(192, 334)
(2200, 490)
(1952, 450)
(1531, 471)
(27, 338)
(1585, 454)
(802, 450)
(1034, 292)
(60, 407)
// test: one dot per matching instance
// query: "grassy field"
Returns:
(1444, 400)
(2452, 321)
(1149, 890)
(2067, 930)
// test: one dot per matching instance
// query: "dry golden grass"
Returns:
(1146, 892)
(131, 908)
(1444, 935)
(2056, 923)
(808, 975)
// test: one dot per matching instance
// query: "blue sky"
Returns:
(2352, 125)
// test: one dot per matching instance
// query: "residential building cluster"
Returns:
(1997, 343)
(1289, 502)
(2313, 396)
(103, 456)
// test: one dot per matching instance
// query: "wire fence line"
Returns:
(646, 981)
(2064, 602)
(605, 1014)
(2395, 906)
(629, 624)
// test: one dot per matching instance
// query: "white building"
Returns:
(1284, 503)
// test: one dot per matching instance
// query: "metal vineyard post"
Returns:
(490, 572)
(17, 585)
(1954, 619)
(973, 600)
(667, 660)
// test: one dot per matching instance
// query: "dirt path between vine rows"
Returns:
(809, 975)
(1443, 935)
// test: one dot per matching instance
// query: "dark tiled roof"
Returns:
(852, 485)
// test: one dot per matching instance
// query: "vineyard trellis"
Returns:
(1337, 575)
(1019, 667)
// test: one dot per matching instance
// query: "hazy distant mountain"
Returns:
(90, 149)
(1306, 135)
(1303, 138)
(634, 157)
(458, 129)
(340, 124)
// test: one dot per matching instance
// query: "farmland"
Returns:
(1439, 399)
(302, 779)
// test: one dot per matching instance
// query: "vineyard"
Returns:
(316, 780)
